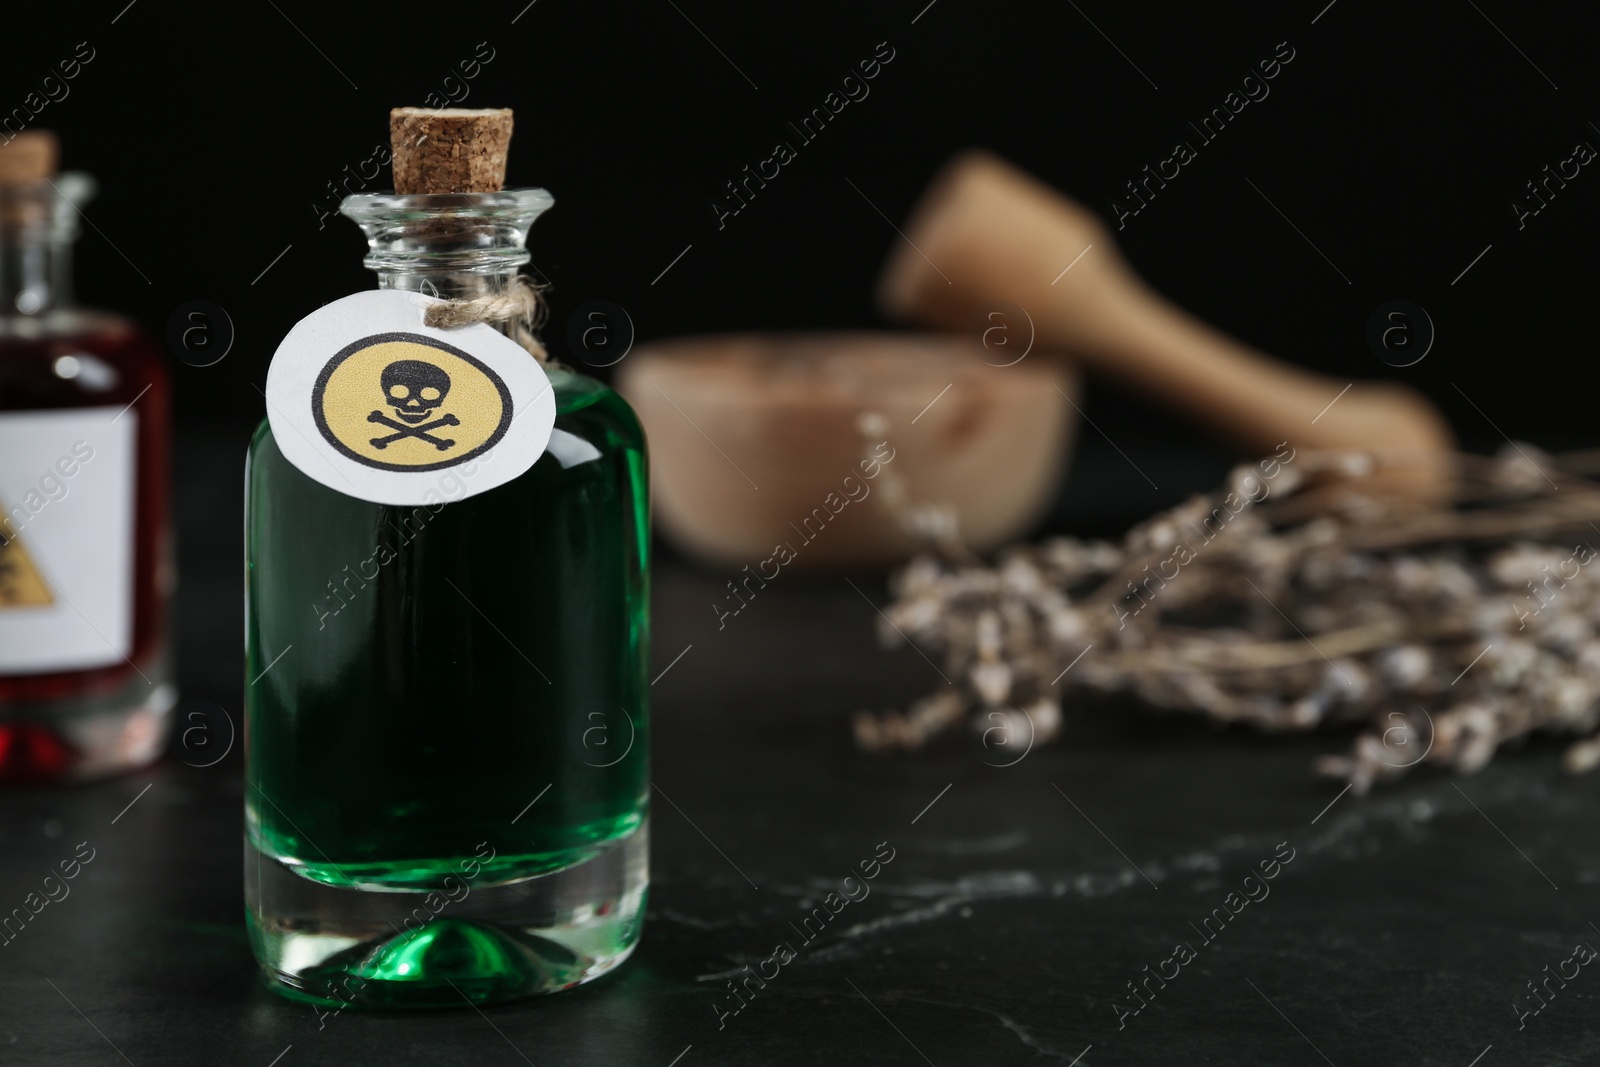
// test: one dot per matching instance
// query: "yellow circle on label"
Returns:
(407, 402)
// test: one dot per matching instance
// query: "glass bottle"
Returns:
(447, 781)
(85, 554)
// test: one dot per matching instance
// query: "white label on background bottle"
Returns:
(66, 538)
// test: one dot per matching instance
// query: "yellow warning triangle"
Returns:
(21, 584)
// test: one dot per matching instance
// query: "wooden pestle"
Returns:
(999, 240)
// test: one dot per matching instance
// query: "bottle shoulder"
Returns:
(575, 391)
(75, 358)
(67, 322)
(586, 400)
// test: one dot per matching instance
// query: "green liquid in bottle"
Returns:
(444, 702)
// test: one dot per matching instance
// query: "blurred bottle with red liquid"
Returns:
(85, 540)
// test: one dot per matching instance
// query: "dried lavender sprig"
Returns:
(1289, 618)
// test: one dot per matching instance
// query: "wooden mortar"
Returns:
(749, 435)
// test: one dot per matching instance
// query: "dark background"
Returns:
(1396, 140)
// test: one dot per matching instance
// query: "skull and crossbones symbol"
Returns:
(414, 390)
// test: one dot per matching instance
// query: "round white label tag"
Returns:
(365, 398)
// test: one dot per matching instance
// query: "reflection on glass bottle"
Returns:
(85, 571)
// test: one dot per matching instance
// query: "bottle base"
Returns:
(91, 736)
(340, 947)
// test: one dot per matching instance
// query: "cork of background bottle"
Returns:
(454, 150)
(27, 161)
(29, 158)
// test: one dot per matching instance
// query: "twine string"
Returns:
(520, 307)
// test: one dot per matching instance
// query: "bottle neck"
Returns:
(38, 224)
(35, 275)
(451, 285)
(446, 284)
(459, 246)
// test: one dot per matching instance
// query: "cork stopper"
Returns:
(29, 158)
(455, 150)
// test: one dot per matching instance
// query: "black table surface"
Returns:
(1021, 903)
